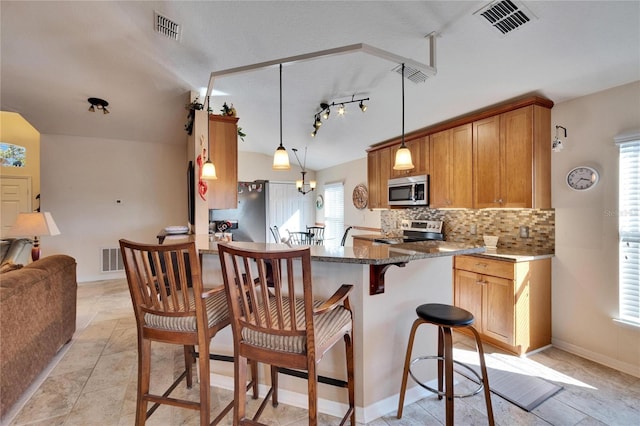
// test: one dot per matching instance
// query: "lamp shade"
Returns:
(34, 224)
(209, 170)
(403, 159)
(281, 159)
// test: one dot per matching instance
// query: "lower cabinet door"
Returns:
(468, 294)
(498, 309)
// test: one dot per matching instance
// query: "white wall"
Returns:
(352, 174)
(585, 268)
(83, 177)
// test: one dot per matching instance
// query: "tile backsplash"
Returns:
(467, 225)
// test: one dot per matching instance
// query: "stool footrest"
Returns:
(443, 393)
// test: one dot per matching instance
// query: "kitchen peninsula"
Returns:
(382, 320)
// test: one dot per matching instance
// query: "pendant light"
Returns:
(281, 157)
(403, 155)
(208, 169)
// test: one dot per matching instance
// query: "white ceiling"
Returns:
(54, 55)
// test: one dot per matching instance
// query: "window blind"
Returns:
(629, 229)
(333, 213)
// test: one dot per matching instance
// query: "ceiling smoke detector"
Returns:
(166, 26)
(505, 15)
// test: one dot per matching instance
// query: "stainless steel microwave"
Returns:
(409, 191)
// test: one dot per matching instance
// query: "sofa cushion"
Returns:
(9, 266)
(19, 252)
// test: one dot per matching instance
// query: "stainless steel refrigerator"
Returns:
(249, 221)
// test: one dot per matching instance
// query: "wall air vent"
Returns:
(505, 15)
(166, 26)
(411, 74)
(111, 260)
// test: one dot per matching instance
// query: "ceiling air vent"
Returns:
(411, 74)
(505, 15)
(166, 26)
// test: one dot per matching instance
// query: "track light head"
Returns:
(363, 107)
(318, 122)
(97, 103)
(341, 109)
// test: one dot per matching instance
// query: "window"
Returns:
(12, 155)
(333, 213)
(629, 228)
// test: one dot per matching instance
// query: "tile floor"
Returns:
(93, 382)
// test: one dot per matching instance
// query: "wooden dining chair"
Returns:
(171, 306)
(274, 325)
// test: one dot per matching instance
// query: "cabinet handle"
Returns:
(482, 265)
(481, 282)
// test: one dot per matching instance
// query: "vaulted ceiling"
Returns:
(54, 55)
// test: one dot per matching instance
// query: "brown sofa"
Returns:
(37, 317)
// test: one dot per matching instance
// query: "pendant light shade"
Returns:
(403, 159)
(208, 169)
(281, 159)
(403, 155)
(281, 156)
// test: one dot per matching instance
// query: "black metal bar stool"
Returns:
(446, 317)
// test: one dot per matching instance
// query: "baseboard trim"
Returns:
(633, 370)
(333, 408)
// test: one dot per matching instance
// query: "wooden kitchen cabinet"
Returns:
(378, 174)
(511, 301)
(223, 141)
(451, 162)
(512, 159)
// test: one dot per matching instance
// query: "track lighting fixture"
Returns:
(557, 146)
(325, 111)
(301, 184)
(100, 104)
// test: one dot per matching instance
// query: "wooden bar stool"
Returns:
(446, 317)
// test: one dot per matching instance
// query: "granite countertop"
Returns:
(383, 253)
(374, 255)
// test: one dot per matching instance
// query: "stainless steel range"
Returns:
(416, 230)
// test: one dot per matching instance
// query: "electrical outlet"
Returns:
(524, 232)
(473, 229)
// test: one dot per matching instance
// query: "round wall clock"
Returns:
(360, 196)
(582, 178)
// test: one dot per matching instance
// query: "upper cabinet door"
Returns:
(486, 163)
(223, 141)
(451, 168)
(516, 149)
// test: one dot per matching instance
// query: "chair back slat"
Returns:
(263, 295)
(163, 279)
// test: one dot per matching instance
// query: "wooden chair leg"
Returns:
(312, 388)
(348, 341)
(407, 363)
(239, 390)
(274, 385)
(188, 364)
(205, 386)
(485, 377)
(448, 374)
(254, 377)
(144, 377)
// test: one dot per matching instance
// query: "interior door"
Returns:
(15, 197)
(287, 208)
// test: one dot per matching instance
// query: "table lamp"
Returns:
(34, 224)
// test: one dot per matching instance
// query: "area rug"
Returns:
(525, 391)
